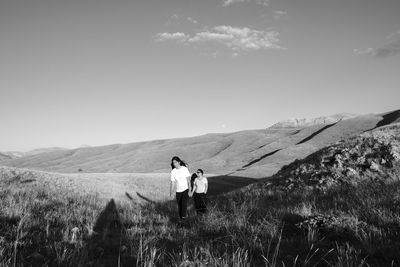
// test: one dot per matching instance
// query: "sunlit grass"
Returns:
(256, 226)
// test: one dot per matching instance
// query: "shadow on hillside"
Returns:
(388, 119)
(260, 158)
(225, 183)
(316, 133)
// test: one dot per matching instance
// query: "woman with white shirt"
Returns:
(199, 192)
(180, 179)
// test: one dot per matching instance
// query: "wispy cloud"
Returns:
(390, 49)
(278, 14)
(237, 40)
(177, 19)
(177, 36)
(231, 2)
(192, 20)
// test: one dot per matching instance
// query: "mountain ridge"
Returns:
(303, 122)
(250, 153)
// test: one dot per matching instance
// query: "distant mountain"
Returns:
(296, 122)
(252, 153)
(84, 146)
(14, 154)
(4, 156)
(43, 150)
(18, 154)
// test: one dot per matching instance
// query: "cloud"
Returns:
(364, 52)
(238, 39)
(230, 2)
(279, 14)
(177, 36)
(235, 39)
(177, 19)
(226, 3)
(390, 49)
(192, 20)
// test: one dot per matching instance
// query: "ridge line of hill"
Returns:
(250, 153)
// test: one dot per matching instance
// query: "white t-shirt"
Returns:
(200, 185)
(180, 177)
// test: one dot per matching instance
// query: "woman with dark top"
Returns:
(180, 180)
(199, 191)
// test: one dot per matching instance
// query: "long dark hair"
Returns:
(178, 160)
(192, 178)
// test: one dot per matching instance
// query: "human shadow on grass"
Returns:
(104, 246)
(145, 198)
(129, 196)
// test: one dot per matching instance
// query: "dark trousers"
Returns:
(200, 202)
(182, 199)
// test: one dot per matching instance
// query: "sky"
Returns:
(98, 72)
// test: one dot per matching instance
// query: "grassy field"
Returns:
(40, 211)
(337, 207)
(124, 186)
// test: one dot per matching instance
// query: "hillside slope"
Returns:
(337, 207)
(339, 204)
(372, 155)
(304, 122)
(4, 157)
(253, 153)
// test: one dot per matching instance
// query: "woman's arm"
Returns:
(206, 187)
(194, 186)
(189, 186)
(171, 185)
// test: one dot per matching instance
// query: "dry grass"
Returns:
(69, 220)
(254, 227)
(154, 186)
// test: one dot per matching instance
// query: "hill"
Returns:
(18, 154)
(252, 153)
(304, 122)
(43, 150)
(337, 207)
(4, 157)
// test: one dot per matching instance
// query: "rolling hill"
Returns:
(303, 122)
(339, 206)
(4, 157)
(19, 154)
(252, 153)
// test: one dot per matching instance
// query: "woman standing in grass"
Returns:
(180, 177)
(200, 188)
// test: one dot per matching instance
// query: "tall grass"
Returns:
(256, 226)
